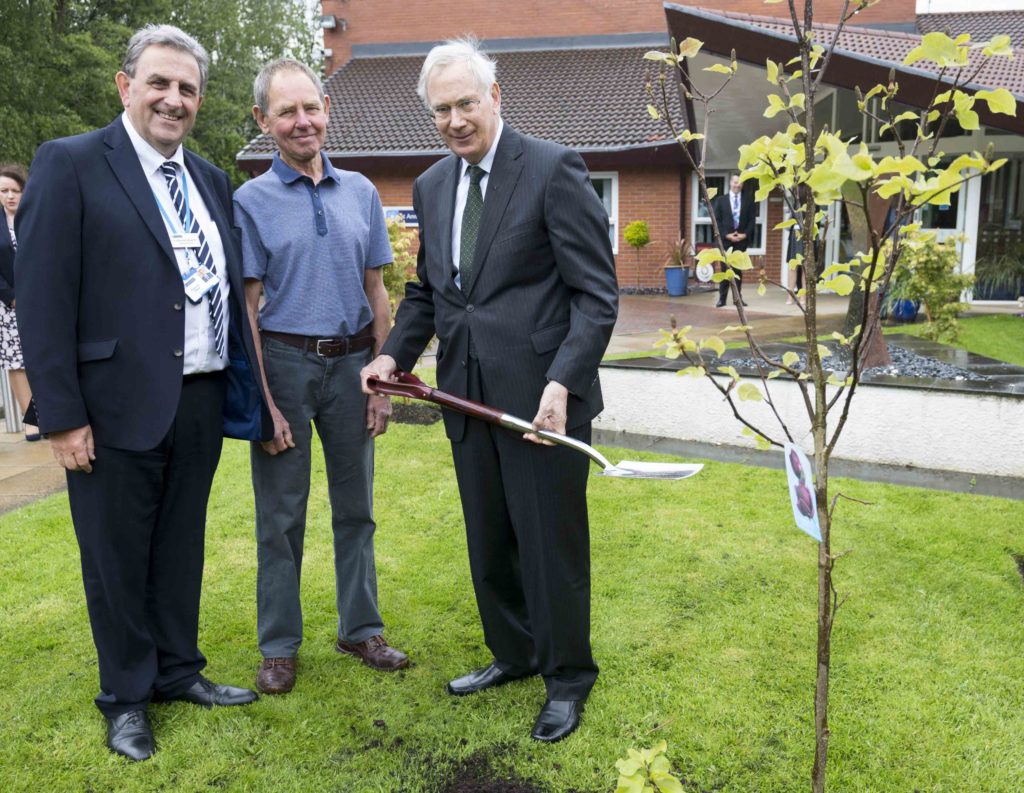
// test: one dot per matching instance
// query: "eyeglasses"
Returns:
(10, 191)
(444, 112)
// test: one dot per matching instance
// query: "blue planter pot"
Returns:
(676, 279)
(905, 310)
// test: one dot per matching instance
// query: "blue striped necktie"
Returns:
(205, 258)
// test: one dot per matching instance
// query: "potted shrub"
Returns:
(1000, 276)
(637, 235)
(677, 268)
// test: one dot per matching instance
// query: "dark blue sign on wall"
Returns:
(408, 214)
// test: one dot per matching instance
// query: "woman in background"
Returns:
(12, 184)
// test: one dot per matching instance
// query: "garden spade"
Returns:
(408, 385)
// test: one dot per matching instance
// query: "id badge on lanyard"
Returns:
(198, 279)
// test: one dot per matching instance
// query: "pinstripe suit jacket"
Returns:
(543, 297)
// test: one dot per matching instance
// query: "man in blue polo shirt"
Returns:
(313, 241)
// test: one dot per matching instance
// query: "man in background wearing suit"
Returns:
(736, 215)
(130, 304)
(517, 280)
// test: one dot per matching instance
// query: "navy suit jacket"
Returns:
(6, 268)
(722, 207)
(101, 301)
(543, 297)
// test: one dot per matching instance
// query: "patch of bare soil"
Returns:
(414, 412)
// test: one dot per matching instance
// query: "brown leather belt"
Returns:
(330, 347)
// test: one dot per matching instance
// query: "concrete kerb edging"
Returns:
(946, 440)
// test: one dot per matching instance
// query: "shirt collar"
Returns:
(149, 157)
(288, 175)
(488, 161)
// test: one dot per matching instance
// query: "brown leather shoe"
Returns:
(276, 675)
(375, 652)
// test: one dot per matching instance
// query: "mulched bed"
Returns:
(404, 412)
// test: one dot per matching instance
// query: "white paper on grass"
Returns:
(800, 481)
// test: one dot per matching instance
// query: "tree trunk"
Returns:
(874, 351)
(825, 604)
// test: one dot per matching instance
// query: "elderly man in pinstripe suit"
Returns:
(517, 280)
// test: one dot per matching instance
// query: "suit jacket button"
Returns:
(178, 353)
(469, 308)
(178, 306)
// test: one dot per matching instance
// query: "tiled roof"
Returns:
(982, 25)
(890, 46)
(588, 99)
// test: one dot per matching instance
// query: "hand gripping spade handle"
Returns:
(408, 385)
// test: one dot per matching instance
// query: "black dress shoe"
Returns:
(720, 304)
(557, 719)
(207, 693)
(481, 680)
(129, 735)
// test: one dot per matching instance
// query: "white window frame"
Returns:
(699, 219)
(613, 215)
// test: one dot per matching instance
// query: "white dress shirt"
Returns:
(200, 351)
(462, 191)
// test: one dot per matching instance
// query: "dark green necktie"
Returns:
(470, 225)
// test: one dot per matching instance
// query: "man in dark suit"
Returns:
(517, 280)
(131, 308)
(736, 215)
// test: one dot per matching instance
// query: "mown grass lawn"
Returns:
(999, 336)
(703, 624)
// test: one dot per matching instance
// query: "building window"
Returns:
(606, 185)
(701, 232)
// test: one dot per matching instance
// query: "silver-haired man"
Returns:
(517, 280)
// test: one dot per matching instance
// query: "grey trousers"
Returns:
(310, 389)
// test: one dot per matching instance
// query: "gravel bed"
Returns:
(905, 363)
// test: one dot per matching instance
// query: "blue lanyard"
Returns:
(188, 210)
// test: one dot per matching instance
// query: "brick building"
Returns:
(573, 71)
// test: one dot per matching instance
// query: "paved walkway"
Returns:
(28, 471)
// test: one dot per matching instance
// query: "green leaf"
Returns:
(738, 327)
(841, 284)
(940, 48)
(731, 371)
(823, 351)
(713, 343)
(762, 290)
(662, 57)
(1000, 46)
(999, 101)
(773, 71)
(718, 68)
(694, 371)
(776, 105)
(739, 260)
(628, 766)
(689, 47)
(789, 358)
(728, 275)
(785, 224)
(628, 784)
(748, 392)
(652, 111)
(773, 374)
(667, 783)
(710, 256)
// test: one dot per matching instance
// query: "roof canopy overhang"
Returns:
(754, 43)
